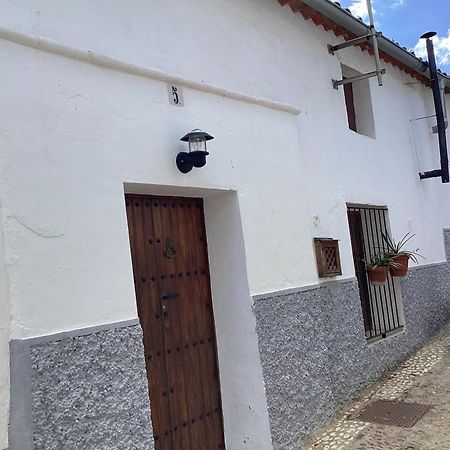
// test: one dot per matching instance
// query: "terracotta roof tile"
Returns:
(297, 6)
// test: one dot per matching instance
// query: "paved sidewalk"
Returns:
(424, 379)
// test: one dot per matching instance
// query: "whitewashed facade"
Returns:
(85, 117)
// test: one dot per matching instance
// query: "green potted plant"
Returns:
(378, 268)
(397, 252)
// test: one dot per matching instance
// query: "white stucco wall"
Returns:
(4, 346)
(67, 228)
(294, 173)
(73, 133)
(246, 418)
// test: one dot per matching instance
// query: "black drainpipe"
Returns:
(443, 171)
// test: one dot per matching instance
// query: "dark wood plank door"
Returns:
(171, 277)
(357, 240)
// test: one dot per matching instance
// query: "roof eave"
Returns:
(346, 20)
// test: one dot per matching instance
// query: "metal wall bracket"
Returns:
(430, 174)
(350, 43)
(434, 128)
(375, 73)
(372, 36)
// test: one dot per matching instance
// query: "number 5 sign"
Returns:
(175, 95)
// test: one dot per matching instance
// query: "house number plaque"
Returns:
(175, 94)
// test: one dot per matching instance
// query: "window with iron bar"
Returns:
(381, 305)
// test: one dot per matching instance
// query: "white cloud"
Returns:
(359, 9)
(397, 3)
(441, 49)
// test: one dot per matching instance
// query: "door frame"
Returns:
(244, 403)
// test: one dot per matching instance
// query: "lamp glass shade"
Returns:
(197, 143)
(197, 140)
(196, 156)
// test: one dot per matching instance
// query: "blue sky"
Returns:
(405, 20)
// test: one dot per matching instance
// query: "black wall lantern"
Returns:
(196, 156)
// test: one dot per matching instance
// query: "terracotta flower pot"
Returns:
(402, 262)
(377, 274)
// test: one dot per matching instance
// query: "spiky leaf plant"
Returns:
(397, 248)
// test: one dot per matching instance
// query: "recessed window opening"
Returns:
(381, 305)
(350, 106)
(358, 104)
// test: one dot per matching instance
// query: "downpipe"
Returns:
(443, 172)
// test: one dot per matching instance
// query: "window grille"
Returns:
(381, 305)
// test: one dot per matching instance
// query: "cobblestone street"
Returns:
(422, 379)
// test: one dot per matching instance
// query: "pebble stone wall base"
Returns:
(314, 353)
(90, 392)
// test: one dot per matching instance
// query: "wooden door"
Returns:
(171, 276)
(357, 240)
